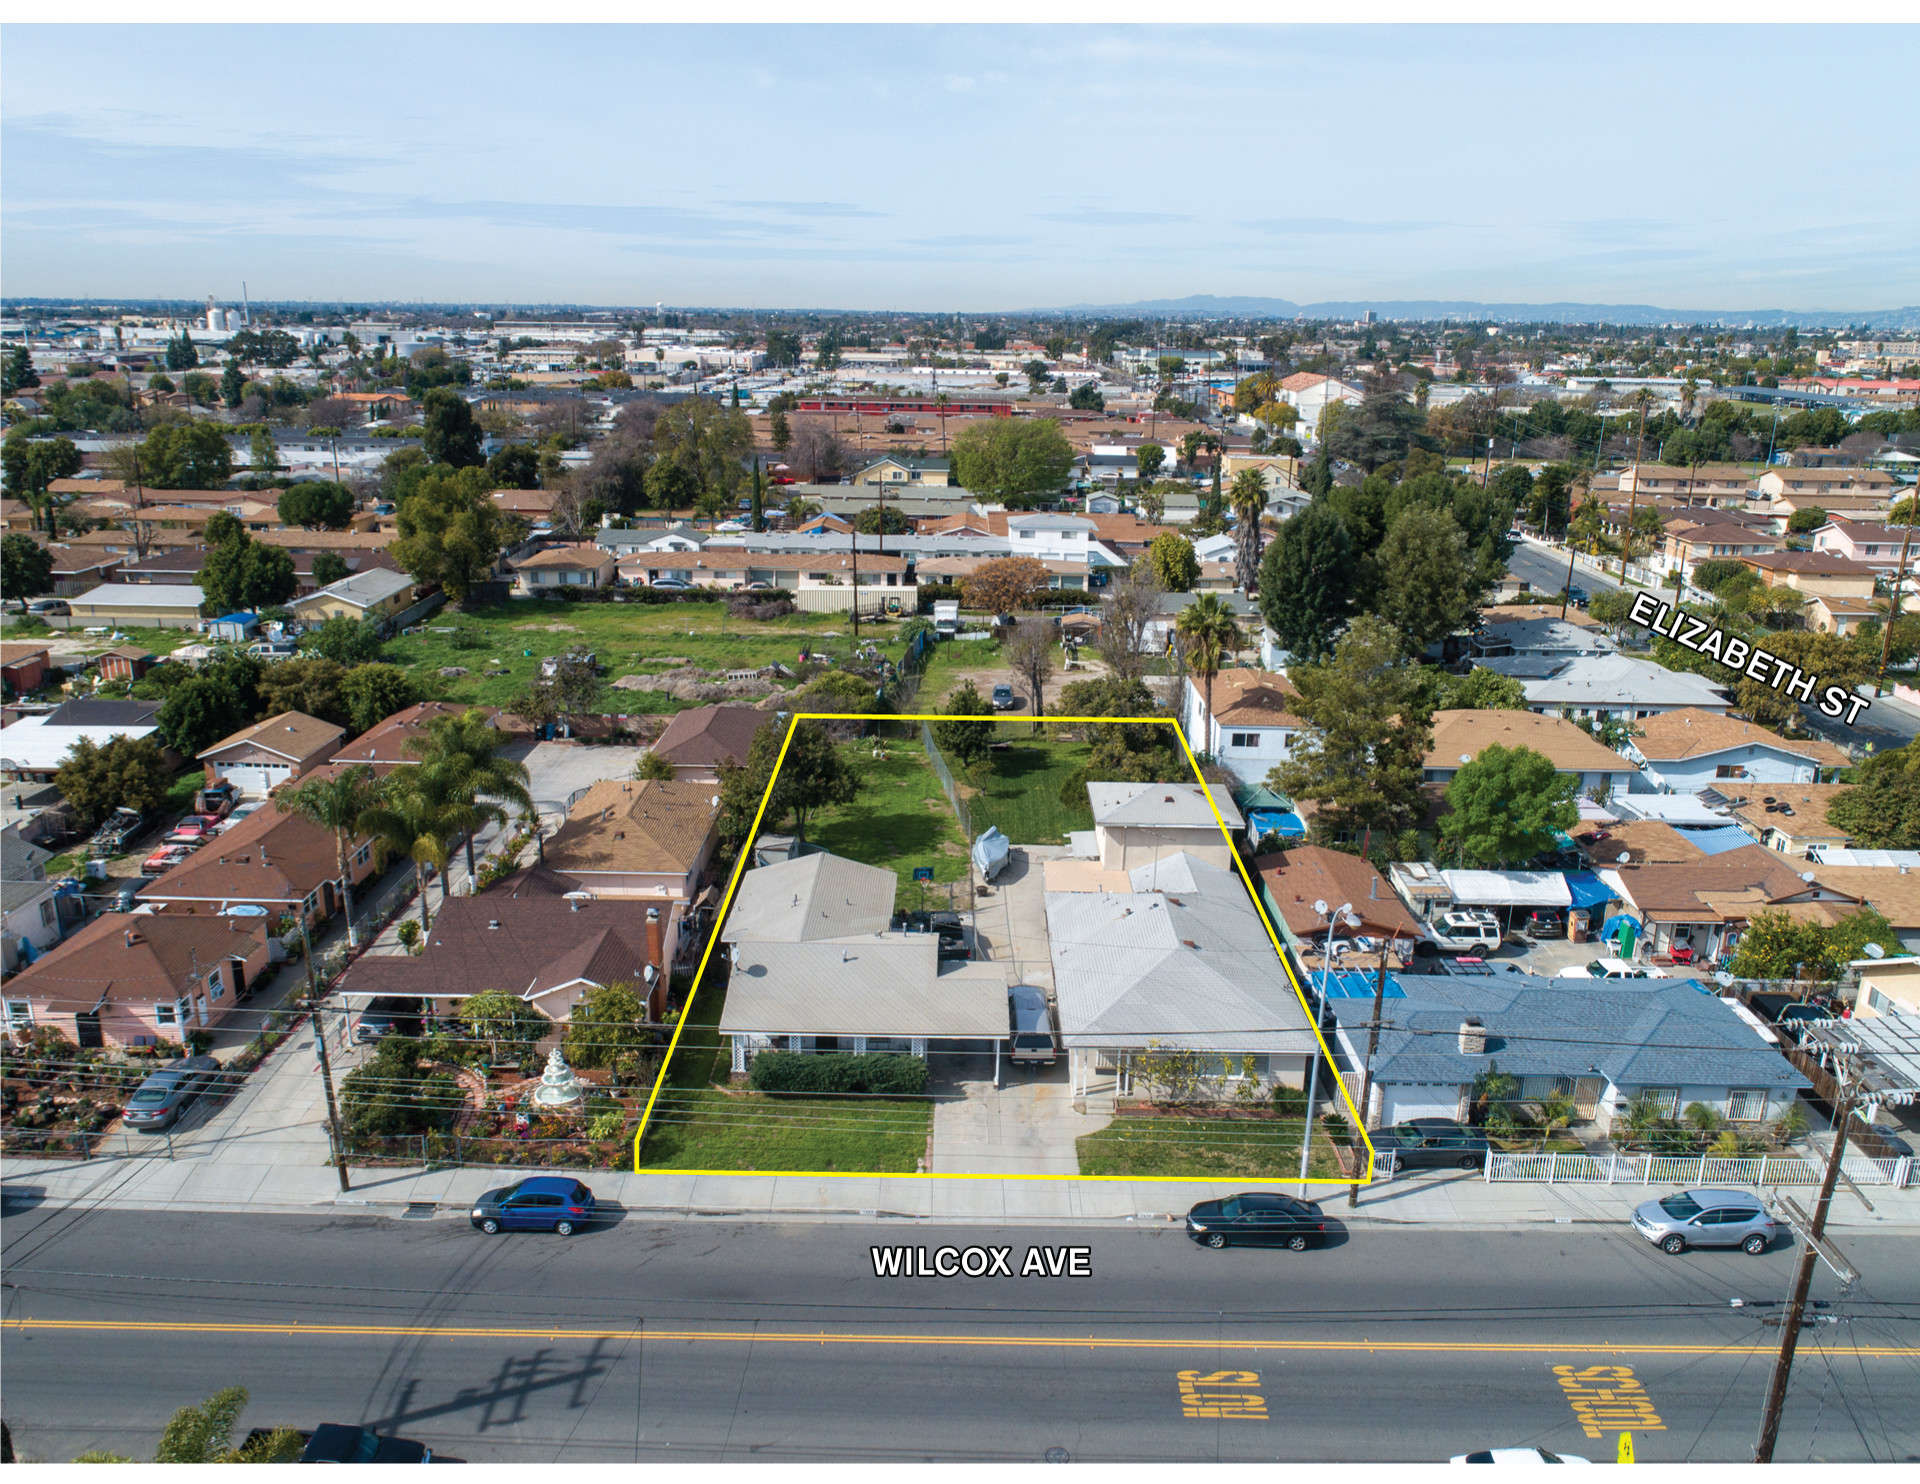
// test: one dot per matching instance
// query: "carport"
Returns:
(1506, 890)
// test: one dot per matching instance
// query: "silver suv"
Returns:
(1705, 1218)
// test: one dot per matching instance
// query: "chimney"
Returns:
(1473, 1037)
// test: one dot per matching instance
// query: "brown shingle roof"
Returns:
(1526, 612)
(267, 857)
(1728, 887)
(1893, 893)
(1569, 747)
(386, 741)
(291, 734)
(1815, 563)
(569, 558)
(623, 825)
(1646, 841)
(1254, 698)
(1808, 801)
(1691, 732)
(708, 734)
(1296, 878)
(135, 960)
(15, 653)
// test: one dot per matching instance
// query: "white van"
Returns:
(1029, 1026)
(1466, 932)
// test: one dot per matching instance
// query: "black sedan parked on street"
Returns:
(1432, 1144)
(1257, 1219)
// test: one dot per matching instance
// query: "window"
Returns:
(19, 1012)
(1666, 1099)
(1730, 770)
(214, 987)
(1244, 739)
(166, 1014)
(363, 854)
(1746, 1104)
(46, 914)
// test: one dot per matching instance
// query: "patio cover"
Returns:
(1508, 888)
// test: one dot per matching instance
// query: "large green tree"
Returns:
(26, 567)
(1012, 459)
(449, 433)
(1382, 426)
(1882, 809)
(1428, 584)
(212, 703)
(125, 772)
(450, 532)
(1505, 806)
(1172, 560)
(187, 456)
(317, 504)
(373, 692)
(241, 575)
(31, 466)
(605, 1025)
(1361, 756)
(307, 684)
(966, 741)
(1307, 581)
(814, 776)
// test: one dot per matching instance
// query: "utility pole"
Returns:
(854, 537)
(320, 1044)
(1803, 1275)
(1373, 1045)
(1633, 499)
(1899, 581)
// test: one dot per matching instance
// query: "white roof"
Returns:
(1834, 855)
(30, 745)
(1619, 679)
(809, 898)
(1169, 805)
(875, 984)
(1679, 809)
(1508, 888)
(169, 595)
(363, 589)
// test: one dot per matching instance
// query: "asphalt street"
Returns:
(1545, 570)
(723, 1340)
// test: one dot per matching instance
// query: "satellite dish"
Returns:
(1624, 856)
(1874, 950)
(716, 801)
(1320, 907)
(1347, 908)
(1723, 979)
(1806, 875)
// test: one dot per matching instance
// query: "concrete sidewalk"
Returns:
(1452, 1199)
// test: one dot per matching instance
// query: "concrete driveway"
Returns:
(558, 770)
(1026, 1126)
(1010, 917)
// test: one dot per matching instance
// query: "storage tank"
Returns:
(216, 322)
(233, 320)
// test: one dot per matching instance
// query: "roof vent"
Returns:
(619, 834)
(132, 937)
(493, 924)
(1473, 1037)
(653, 914)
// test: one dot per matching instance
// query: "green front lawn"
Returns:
(900, 819)
(629, 638)
(1175, 1147)
(715, 1130)
(1023, 795)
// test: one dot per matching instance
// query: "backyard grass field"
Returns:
(900, 819)
(1022, 794)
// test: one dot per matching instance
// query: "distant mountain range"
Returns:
(1211, 306)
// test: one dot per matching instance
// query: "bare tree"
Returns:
(1029, 651)
(637, 419)
(332, 414)
(815, 451)
(1126, 618)
(569, 415)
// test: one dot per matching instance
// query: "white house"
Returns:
(1050, 536)
(1251, 728)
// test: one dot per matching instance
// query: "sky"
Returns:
(967, 168)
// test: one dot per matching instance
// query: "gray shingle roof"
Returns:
(1172, 805)
(877, 984)
(810, 898)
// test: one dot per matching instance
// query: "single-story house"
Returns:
(1689, 749)
(1815, 573)
(384, 744)
(1705, 905)
(1181, 964)
(123, 979)
(375, 593)
(1251, 729)
(585, 565)
(1571, 748)
(818, 581)
(1135, 824)
(1664, 1039)
(1893, 891)
(1790, 818)
(258, 759)
(816, 966)
(172, 605)
(537, 936)
(29, 916)
(645, 837)
(273, 860)
(34, 747)
(1830, 613)
(696, 742)
(1292, 880)
(23, 666)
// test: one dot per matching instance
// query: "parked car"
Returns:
(554, 1203)
(336, 1442)
(1545, 922)
(1029, 1026)
(1004, 698)
(1609, 968)
(1525, 1456)
(1466, 932)
(1432, 1144)
(1256, 1219)
(1705, 1218)
(49, 606)
(158, 1102)
(165, 859)
(673, 584)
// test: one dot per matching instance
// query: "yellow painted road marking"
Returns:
(1608, 1398)
(1080, 1342)
(1222, 1394)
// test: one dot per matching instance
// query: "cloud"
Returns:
(1088, 217)
(1330, 226)
(809, 208)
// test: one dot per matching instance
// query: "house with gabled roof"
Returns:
(1135, 824)
(1689, 749)
(643, 837)
(257, 759)
(1705, 905)
(699, 740)
(1252, 726)
(1571, 748)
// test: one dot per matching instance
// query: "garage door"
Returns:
(254, 779)
(1398, 1104)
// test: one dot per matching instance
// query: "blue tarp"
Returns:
(1588, 890)
(1613, 924)
(1354, 986)
(1263, 822)
(1718, 841)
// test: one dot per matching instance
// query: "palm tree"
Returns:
(1249, 498)
(941, 401)
(339, 804)
(1210, 634)
(480, 782)
(417, 819)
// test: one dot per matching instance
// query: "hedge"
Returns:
(799, 1071)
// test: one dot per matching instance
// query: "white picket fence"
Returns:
(1692, 1169)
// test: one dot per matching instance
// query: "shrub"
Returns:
(829, 1072)
(1289, 1102)
(609, 1125)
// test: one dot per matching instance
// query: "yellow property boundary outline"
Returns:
(1206, 790)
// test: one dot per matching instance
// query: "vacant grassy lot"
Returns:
(1176, 1147)
(900, 820)
(711, 1129)
(1022, 796)
(502, 647)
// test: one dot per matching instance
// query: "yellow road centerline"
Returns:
(1074, 1342)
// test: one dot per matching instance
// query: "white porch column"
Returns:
(919, 1045)
(859, 1045)
(996, 1061)
(739, 1055)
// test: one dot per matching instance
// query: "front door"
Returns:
(86, 1029)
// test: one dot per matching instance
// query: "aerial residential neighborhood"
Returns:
(669, 799)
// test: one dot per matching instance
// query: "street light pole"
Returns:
(1319, 999)
(320, 1043)
(1373, 1046)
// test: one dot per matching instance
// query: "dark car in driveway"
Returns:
(1432, 1144)
(1257, 1219)
(541, 1203)
(336, 1442)
(158, 1102)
